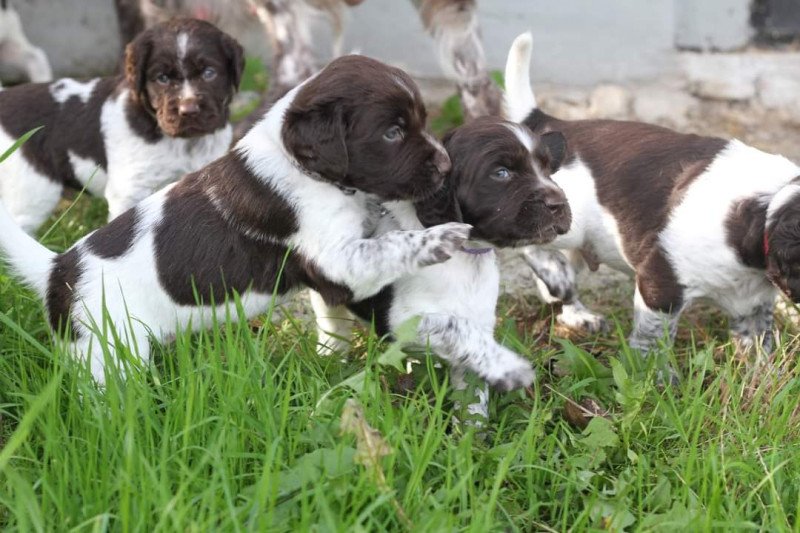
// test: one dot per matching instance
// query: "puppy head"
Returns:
(184, 72)
(500, 183)
(782, 241)
(361, 124)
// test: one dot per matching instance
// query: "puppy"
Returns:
(17, 50)
(168, 115)
(690, 217)
(500, 184)
(290, 206)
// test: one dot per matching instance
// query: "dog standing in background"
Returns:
(122, 137)
(16, 50)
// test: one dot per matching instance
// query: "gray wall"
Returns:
(578, 42)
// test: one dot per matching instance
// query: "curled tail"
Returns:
(28, 259)
(519, 98)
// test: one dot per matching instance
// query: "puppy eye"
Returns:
(394, 134)
(162, 78)
(209, 73)
(500, 174)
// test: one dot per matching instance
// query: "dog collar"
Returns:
(766, 244)
(348, 191)
(476, 251)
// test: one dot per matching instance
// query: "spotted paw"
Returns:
(442, 241)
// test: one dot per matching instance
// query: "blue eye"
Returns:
(500, 174)
(209, 73)
(162, 78)
(393, 134)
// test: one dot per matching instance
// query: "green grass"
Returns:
(224, 432)
(240, 428)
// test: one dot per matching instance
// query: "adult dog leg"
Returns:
(464, 344)
(556, 275)
(454, 26)
(15, 48)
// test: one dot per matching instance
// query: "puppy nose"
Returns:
(442, 162)
(188, 106)
(555, 201)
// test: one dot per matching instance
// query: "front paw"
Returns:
(510, 372)
(441, 242)
(576, 317)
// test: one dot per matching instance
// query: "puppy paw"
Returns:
(578, 318)
(510, 372)
(442, 241)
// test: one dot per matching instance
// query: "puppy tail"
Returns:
(519, 98)
(28, 259)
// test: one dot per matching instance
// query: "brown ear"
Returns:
(137, 54)
(441, 208)
(235, 54)
(550, 151)
(316, 139)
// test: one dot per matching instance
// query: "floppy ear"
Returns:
(440, 208)
(550, 151)
(137, 54)
(235, 54)
(316, 139)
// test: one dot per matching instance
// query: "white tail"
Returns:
(28, 259)
(519, 98)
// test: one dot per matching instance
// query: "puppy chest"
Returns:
(466, 285)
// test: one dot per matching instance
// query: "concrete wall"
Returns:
(580, 42)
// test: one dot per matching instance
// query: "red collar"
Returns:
(766, 244)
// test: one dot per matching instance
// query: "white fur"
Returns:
(183, 45)
(127, 291)
(694, 237)
(15, 49)
(66, 88)
(519, 101)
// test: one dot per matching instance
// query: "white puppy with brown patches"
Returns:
(122, 137)
(500, 184)
(690, 217)
(291, 206)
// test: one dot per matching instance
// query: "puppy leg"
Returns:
(29, 196)
(89, 347)
(650, 325)
(17, 50)
(464, 344)
(752, 331)
(555, 275)
(477, 411)
(454, 26)
(334, 325)
(368, 265)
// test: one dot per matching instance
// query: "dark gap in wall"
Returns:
(777, 22)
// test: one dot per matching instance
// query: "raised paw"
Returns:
(442, 241)
(509, 372)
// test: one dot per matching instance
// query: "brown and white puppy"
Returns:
(122, 137)
(691, 217)
(294, 204)
(17, 50)
(500, 184)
